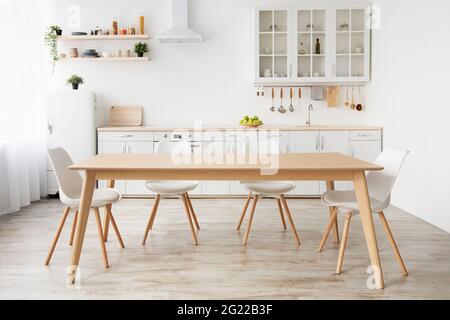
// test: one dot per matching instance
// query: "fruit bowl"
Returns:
(248, 122)
(251, 125)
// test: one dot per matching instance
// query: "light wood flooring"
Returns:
(170, 267)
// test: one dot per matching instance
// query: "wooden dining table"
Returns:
(329, 167)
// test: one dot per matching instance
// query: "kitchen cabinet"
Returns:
(312, 44)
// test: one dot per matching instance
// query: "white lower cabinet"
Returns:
(364, 145)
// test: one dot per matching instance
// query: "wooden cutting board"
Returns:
(333, 96)
(125, 116)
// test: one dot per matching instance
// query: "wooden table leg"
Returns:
(110, 184)
(330, 187)
(83, 215)
(362, 196)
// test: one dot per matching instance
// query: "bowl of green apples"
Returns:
(254, 122)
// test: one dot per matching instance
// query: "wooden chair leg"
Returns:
(191, 208)
(348, 218)
(56, 237)
(151, 220)
(291, 220)
(280, 210)
(74, 226)
(116, 229)
(393, 244)
(244, 211)
(188, 214)
(249, 226)
(100, 237)
(106, 223)
(330, 226)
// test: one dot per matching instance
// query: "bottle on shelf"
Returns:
(141, 24)
(115, 27)
(317, 46)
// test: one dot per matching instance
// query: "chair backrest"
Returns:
(380, 183)
(69, 181)
(167, 147)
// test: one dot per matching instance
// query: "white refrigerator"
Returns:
(72, 125)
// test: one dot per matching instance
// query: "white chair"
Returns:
(70, 185)
(167, 188)
(268, 189)
(380, 184)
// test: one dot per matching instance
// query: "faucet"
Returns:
(310, 108)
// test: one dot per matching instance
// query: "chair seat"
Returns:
(269, 187)
(171, 187)
(101, 198)
(347, 200)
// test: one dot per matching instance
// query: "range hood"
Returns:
(180, 31)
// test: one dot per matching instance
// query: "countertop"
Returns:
(236, 127)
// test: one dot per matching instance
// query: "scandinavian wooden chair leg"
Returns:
(116, 229)
(280, 210)
(330, 225)
(393, 244)
(244, 211)
(100, 237)
(151, 219)
(56, 238)
(188, 214)
(106, 223)
(348, 218)
(291, 220)
(249, 226)
(74, 226)
(191, 208)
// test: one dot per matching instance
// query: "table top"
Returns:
(288, 162)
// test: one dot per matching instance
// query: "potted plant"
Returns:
(51, 40)
(75, 81)
(140, 49)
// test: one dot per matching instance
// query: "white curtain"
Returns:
(23, 71)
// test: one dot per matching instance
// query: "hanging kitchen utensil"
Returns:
(281, 109)
(333, 96)
(347, 103)
(273, 101)
(359, 106)
(353, 105)
(291, 106)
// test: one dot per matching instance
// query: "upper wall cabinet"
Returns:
(312, 45)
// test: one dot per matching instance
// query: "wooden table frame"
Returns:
(327, 167)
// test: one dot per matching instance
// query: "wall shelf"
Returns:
(112, 59)
(102, 37)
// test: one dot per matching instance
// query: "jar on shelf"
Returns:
(123, 31)
(115, 27)
(141, 24)
(132, 29)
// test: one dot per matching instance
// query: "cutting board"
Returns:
(333, 97)
(125, 116)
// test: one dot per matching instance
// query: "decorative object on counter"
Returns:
(273, 100)
(115, 27)
(317, 51)
(126, 116)
(267, 73)
(51, 41)
(281, 109)
(291, 106)
(301, 49)
(251, 122)
(333, 97)
(141, 24)
(75, 81)
(140, 49)
(73, 52)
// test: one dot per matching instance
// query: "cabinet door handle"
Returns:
(322, 143)
(317, 143)
(126, 136)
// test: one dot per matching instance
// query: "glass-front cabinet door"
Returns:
(311, 45)
(273, 45)
(352, 45)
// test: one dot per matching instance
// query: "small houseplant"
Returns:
(75, 81)
(51, 40)
(140, 49)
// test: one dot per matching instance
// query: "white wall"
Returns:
(407, 95)
(211, 81)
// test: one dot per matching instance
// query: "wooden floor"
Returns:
(170, 267)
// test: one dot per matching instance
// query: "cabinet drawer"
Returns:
(365, 135)
(125, 136)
